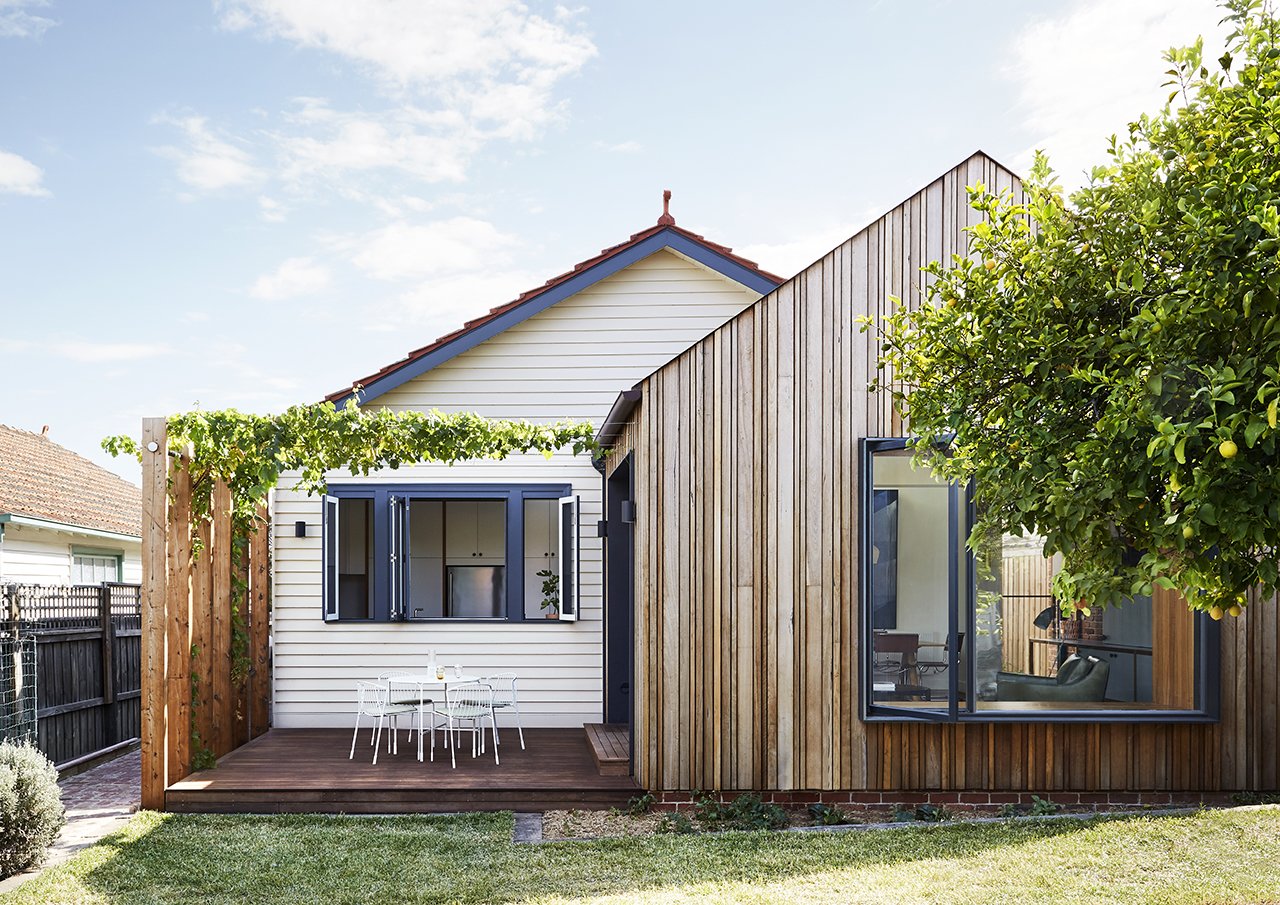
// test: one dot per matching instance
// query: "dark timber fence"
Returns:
(79, 648)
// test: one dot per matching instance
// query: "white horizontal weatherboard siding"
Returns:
(569, 361)
(43, 555)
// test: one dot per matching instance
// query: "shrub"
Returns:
(641, 804)
(1042, 807)
(31, 810)
(675, 822)
(933, 813)
(746, 812)
(828, 815)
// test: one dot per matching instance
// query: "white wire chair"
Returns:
(504, 696)
(404, 694)
(466, 702)
(372, 700)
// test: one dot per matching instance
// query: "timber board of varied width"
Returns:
(745, 451)
(307, 770)
(611, 747)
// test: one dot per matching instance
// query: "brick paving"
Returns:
(98, 802)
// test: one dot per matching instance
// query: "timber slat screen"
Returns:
(83, 663)
(746, 539)
(205, 622)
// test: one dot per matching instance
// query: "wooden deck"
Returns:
(307, 770)
(610, 747)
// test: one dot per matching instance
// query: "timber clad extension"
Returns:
(745, 451)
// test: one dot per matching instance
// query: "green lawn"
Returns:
(1213, 856)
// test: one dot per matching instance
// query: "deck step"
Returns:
(611, 747)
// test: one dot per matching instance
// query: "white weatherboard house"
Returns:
(388, 567)
(64, 520)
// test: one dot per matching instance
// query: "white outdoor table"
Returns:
(425, 681)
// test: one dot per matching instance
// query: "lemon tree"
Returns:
(1106, 367)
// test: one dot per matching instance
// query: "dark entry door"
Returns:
(619, 596)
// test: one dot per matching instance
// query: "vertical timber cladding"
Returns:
(747, 564)
(187, 628)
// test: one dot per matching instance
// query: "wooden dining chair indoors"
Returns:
(896, 654)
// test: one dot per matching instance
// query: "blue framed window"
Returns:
(427, 552)
(954, 634)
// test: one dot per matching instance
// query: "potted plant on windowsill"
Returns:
(550, 593)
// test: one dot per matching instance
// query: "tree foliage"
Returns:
(1107, 368)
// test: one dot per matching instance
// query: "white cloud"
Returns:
(451, 48)
(294, 277)
(402, 250)
(621, 147)
(441, 305)
(208, 162)
(789, 256)
(100, 352)
(19, 176)
(460, 73)
(330, 144)
(271, 210)
(16, 22)
(1085, 74)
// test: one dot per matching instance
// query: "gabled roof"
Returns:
(627, 400)
(665, 234)
(40, 479)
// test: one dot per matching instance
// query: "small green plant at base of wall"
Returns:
(1042, 807)
(675, 823)
(641, 804)
(746, 812)
(31, 811)
(828, 815)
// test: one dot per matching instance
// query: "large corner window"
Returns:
(951, 633)
(430, 552)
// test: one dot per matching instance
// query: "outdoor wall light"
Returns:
(299, 529)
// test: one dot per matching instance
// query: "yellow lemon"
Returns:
(1228, 449)
(1215, 613)
(990, 264)
(1235, 609)
(1188, 532)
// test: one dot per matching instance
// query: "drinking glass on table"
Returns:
(440, 671)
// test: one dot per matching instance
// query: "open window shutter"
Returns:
(569, 572)
(329, 558)
(397, 511)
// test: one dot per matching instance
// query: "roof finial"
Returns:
(666, 219)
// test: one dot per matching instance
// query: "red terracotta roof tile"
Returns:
(41, 479)
(550, 284)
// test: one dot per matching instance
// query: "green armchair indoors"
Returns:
(1078, 679)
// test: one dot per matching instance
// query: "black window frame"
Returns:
(1207, 633)
(512, 494)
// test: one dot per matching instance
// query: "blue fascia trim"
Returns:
(666, 238)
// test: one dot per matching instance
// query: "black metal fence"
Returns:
(80, 653)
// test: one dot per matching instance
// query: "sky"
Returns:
(251, 203)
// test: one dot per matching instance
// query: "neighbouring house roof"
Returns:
(42, 480)
(664, 234)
